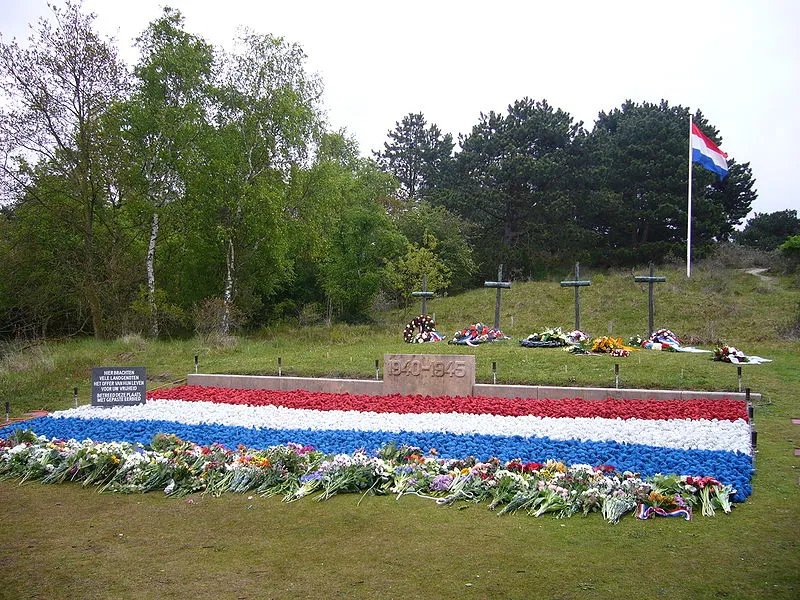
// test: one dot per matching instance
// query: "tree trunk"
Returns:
(90, 284)
(151, 276)
(225, 325)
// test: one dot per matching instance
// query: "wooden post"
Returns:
(651, 280)
(424, 294)
(577, 284)
(499, 285)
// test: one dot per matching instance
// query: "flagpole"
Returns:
(689, 209)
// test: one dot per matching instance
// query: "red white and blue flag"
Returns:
(706, 153)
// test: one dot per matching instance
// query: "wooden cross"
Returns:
(424, 294)
(499, 284)
(651, 303)
(577, 284)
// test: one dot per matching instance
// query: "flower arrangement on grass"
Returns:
(577, 336)
(606, 344)
(554, 337)
(729, 354)
(421, 329)
(477, 334)
(663, 339)
(180, 468)
(551, 337)
(602, 345)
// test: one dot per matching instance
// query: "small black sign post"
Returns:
(577, 284)
(118, 386)
(424, 294)
(500, 285)
(652, 279)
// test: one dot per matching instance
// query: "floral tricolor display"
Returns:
(697, 438)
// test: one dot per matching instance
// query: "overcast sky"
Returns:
(738, 61)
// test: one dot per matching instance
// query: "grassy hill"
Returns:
(67, 541)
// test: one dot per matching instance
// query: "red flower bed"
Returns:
(728, 410)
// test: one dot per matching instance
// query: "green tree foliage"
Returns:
(767, 231)
(362, 243)
(447, 237)
(334, 203)
(265, 116)
(791, 250)
(511, 181)
(641, 151)
(416, 154)
(55, 94)
(725, 203)
(160, 124)
(404, 275)
(211, 187)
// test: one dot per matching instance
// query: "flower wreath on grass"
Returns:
(421, 329)
(549, 338)
(477, 334)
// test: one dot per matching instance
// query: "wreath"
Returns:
(549, 338)
(421, 329)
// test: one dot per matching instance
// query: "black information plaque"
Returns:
(118, 386)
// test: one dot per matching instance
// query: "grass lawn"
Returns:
(66, 541)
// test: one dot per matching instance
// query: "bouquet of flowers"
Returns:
(477, 334)
(729, 354)
(607, 344)
(577, 336)
(663, 339)
(636, 341)
(713, 494)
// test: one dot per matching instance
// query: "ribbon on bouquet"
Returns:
(645, 512)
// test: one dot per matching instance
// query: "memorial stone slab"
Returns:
(429, 374)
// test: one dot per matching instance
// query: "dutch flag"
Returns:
(706, 153)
